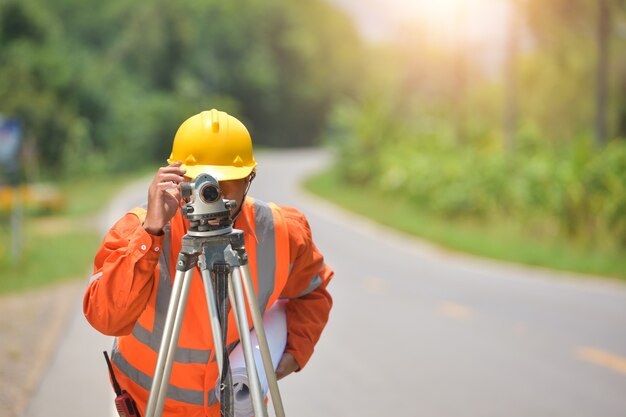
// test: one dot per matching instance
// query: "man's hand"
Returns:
(163, 197)
(286, 366)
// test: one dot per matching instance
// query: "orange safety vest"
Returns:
(194, 373)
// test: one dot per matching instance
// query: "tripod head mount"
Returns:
(208, 213)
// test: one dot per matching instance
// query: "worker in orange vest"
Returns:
(129, 291)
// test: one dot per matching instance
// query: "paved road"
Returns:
(415, 331)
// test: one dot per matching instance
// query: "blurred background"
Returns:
(490, 127)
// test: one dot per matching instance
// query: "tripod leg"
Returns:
(167, 350)
(241, 318)
(216, 328)
(257, 320)
(171, 352)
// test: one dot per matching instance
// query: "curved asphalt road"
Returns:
(415, 331)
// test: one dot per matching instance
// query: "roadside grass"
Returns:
(496, 239)
(59, 246)
(49, 259)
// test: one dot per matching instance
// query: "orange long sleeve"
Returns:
(309, 303)
(122, 280)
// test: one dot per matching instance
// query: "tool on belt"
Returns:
(124, 403)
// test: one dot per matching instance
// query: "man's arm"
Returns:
(122, 281)
(309, 302)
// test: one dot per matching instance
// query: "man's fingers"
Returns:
(286, 365)
(280, 372)
(173, 165)
(175, 193)
(173, 168)
(172, 177)
(177, 171)
(169, 177)
(167, 186)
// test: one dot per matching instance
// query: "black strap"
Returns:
(221, 274)
(116, 386)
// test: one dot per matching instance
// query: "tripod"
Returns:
(223, 264)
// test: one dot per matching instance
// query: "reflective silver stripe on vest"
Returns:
(265, 252)
(188, 396)
(315, 282)
(95, 277)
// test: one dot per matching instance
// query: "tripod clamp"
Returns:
(223, 264)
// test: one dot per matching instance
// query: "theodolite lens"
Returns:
(210, 193)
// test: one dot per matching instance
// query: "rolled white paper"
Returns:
(275, 324)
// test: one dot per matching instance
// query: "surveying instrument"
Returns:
(218, 250)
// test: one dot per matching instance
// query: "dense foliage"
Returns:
(536, 139)
(577, 190)
(104, 85)
(435, 131)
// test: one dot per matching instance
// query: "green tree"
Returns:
(103, 85)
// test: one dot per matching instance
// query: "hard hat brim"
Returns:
(219, 172)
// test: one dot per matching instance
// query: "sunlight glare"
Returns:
(479, 21)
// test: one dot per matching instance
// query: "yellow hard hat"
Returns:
(215, 143)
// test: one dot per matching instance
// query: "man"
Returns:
(130, 288)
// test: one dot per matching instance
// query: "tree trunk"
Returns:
(602, 69)
(460, 76)
(510, 78)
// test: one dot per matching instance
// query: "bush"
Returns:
(576, 188)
